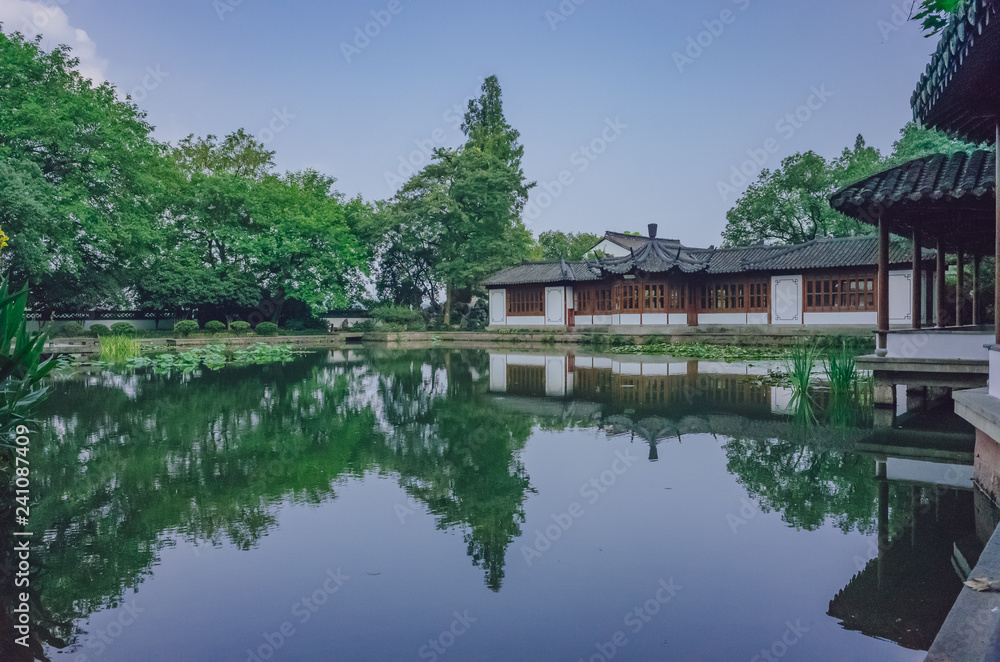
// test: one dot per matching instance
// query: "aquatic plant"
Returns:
(264, 353)
(841, 369)
(213, 357)
(119, 348)
(800, 364)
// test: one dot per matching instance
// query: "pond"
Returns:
(476, 504)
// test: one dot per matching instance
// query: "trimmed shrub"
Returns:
(100, 329)
(186, 327)
(240, 326)
(400, 318)
(215, 326)
(122, 329)
(68, 330)
(266, 329)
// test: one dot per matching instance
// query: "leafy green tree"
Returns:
(790, 205)
(934, 14)
(459, 219)
(303, 247)
(235, 232)
(916, 142)
(555, 244)
(79, 179)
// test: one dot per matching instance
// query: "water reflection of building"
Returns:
(638, 382)
(906, 586)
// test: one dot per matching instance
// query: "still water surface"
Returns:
(479, 505)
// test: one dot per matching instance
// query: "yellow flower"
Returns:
(3, 239)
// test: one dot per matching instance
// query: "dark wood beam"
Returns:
(976, 304)
(996, 290)
(918, 281)
(883, 283)
(939, 285)
(960, 289)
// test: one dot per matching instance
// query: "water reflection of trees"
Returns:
(125, 464)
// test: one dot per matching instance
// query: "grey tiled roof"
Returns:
(659, 257)
(956, 94)
(913, 186)
(634, 241)
(542, 272)
(656, 256)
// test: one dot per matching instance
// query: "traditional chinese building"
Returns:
(641, 281)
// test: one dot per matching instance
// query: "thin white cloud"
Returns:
(49, 20)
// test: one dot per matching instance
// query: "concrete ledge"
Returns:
(981, 409)
(969, 634)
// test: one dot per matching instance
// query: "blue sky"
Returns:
(660, 136)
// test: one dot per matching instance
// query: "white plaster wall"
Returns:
(498, 307)
(585, 320)
(140, 325)
(786, 300)
(630, 320)
(603, 320)
(603, 363)
(555, 306)
(338, 322)
(614, 250)
(995, 373)
(526, 359)
(627, 368)
(901, 296)
(781, 399)
(935, 473)
(681, 319)
(498, 373)
(519, 322)
(705, 319)
(939, 345)
(653, 319)
(757, 318)
(555, 376)
(584, 362)
(868, 318)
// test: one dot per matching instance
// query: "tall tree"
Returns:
(79, 179)
(459, 219)
(791, 204)
(555, 245)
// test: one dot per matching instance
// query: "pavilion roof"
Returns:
(958, 93)
(932, 194)
(659, 256)
(656, 256)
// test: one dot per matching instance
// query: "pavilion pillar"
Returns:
(996, 289)
(883, 283)
(960, 289)
(976, 304)
(918, 281)
(939, 284)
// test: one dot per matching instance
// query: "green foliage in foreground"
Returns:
(214, 357)
(21, 366)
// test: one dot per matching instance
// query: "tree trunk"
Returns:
(447, 304)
